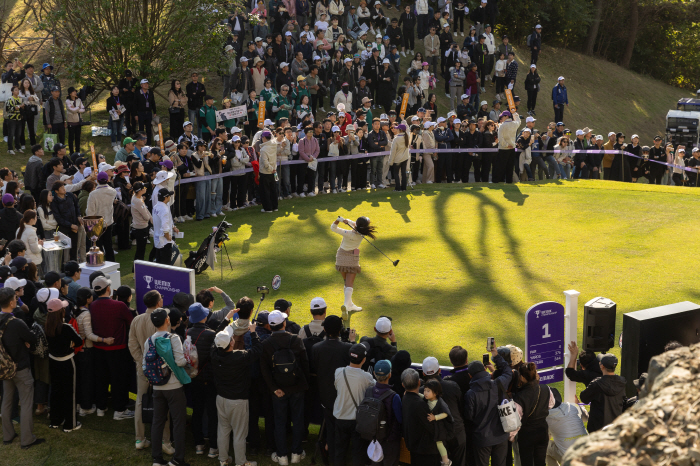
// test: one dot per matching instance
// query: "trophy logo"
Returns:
(537, 314)
(148, 279)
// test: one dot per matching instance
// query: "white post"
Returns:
(570, 334)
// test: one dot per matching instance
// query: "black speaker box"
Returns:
(645, 333)
(599, 324)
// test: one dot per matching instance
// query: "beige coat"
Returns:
(141, 329)
(268, 157)
(432, 45)
(30, 239)
(101, 203)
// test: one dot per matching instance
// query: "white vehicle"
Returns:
(682, 123)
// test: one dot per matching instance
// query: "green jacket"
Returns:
(207, 114)
(268, 97)
(284, 106)
(299, 93)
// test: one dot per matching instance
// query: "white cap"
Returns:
(341, 114)
(465, 96)
(235, 138)
(87, 172)
(268, 122)
(384, 62)
(258, 39)
(451, 114)
(427, 124)
(283, 64)
(318, 303)
(681, 150)
(560, 78)
(144, 81)
(244, 59)
(483, 102)
(415, 118)
(163, 175)
(599, 137)
(383, 325)
(635, 136)
(527, 129)
(383, 116)
(222, 339)
(14, 283)
(529, 119)
(441, 119)
(276, 317)
(611, 133)
(187, 123)
(533, 66)
(45, 295)
(334, 129)
(579, 132)
(316, 57)
(695, 149)
(539, 26)
(347, 60)
(104, 166)
(446, 25)
(288, 33)
(456, 121)
(64, 177)
(430, 365)
(235, 129)
(483, 1)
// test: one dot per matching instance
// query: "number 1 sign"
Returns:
(544, 334)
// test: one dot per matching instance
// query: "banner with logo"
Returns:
(261, 113)
(544, 340)
(231, 113)
(165, 279)
(404, 105)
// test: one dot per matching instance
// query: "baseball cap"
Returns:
(15, 283)
(441, 120)
(6, 271)
(263, 317)
(282, 305)
(45, 295)
(318, 303)
(18, 262)
(8, 199)
(101, 283)
(167, 164)
(505, 113)
(529, 119)
(382, 368)
(51, 277)
(358, 352)
(222, 339)
(560, 78)
(127, 141)
(609, 361)
(102, 176)
(383, 325)
(56, 305)
(579, 132)
(430, 365)
(163, 193)
(332, 324)
(158, 316)
(276, 317)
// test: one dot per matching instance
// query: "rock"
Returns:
(663, 428)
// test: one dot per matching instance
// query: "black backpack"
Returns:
(309, 343)
(285, 367)
(372, 417)
(374, 354)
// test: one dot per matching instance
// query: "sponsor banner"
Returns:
(166, 279)
(544, 334)
(230, 113)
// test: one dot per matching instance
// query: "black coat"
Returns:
(66, 211)
(195, 95)
(584, 376)
(240, 78)
(231, 369)
(606, 395)
(283, 340)
(142, 99)
(532, 81)
(452, 396)
(16, 334)
(9, 223)
(327, 356)
(128, 95)
(418, 432)
(444, 428)
(203, 339)
(533, 398)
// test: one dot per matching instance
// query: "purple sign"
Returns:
(166, 279)
(544, 334)
(553, 375)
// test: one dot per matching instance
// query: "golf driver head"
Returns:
(396, 262)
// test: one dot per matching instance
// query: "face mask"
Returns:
(346, 88)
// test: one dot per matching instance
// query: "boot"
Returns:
(349, 306)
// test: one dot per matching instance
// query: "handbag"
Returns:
(507, 412)
(147, 406)
(174, 110)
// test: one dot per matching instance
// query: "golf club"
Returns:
(396, 262)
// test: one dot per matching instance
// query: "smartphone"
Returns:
(490, 343)
(263, 290)
(485, 359)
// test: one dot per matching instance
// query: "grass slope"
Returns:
(473, 259)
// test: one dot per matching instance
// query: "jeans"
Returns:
(323, 168)
(565, 170)
(526, 166)
(376, 167)
(553, 165)
(474, 100)
(115, 127)
(293, 404)
(217, 188)
(14, 130)
(538, 162)
(395, 169)
(145, 120)
(203, 198)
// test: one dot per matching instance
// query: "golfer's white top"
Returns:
(351, 239)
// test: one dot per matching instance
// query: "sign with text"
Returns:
(261, 113)
(552, 375)
(404, 105)
(544, 334)
(166, 279)
(230, 113)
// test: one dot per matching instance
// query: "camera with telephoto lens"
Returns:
(345, 335)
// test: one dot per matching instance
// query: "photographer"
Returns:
(589, 366)
(206, 299)
(326, 357)
(378, 346)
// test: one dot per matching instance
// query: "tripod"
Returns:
(222, 247)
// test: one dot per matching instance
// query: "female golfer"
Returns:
(347, 259)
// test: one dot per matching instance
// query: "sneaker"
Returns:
(121, 415)
(5, 139)
(322, 109)
(168, 448)
(335, 191)
(85, 412)
(213, 453)
(297, 458)
(143, 444)
(199, 449)
(115, 253)
(303, 195)
(289, 196)
(159, 462)
(38, 441)
(214, 215)
(462, 34)
(429, 182)
(455, 34)
(11, 152)
(381, 186)
(311, 194)
(174, 462)
(373, 187)
(101, 412)
(447, 95)
(282, 460)
(275, 210)
(187, 217)
(403, 54)
(77, 426)
(20, 150)
(295, 195)
(226, 463)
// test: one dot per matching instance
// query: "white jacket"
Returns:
(33, 252)
(268, 157)
(678, 165)
(399, 150)
(525, 158)
(507, 132)
(422, 7)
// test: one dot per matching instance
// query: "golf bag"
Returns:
(197, 260)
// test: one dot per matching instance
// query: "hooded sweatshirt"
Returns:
(606, 395)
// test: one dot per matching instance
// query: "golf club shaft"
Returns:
(364, 238)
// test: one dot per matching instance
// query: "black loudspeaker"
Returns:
(599, 324)
(645, 333)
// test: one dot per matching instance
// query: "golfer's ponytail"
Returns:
(364, 228)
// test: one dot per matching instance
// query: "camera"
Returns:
(345, 335)
(263, 290)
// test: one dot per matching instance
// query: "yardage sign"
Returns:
(544, 334)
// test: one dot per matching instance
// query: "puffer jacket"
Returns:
(66, 210)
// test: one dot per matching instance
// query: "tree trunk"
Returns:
(595, 25)
(632, 34)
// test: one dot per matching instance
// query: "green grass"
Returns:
(473, 259)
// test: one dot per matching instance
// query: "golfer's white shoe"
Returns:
(349, 306)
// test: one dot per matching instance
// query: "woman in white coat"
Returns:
(399, 157)
(27, 233)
